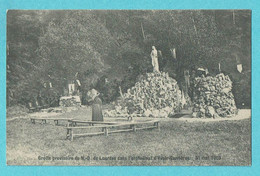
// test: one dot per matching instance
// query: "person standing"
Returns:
(97, 114)
(154, 57)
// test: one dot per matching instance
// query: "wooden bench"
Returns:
(107, 128)
(44, 119)
(91, 123)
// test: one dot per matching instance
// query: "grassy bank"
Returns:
(178, 143)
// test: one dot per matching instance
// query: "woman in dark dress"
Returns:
(97, 108)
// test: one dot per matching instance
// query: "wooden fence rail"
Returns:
(107, 128)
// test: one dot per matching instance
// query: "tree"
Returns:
(55, 45)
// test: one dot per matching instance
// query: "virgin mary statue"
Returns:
(154, 57)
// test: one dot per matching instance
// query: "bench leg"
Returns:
(130, 118)
(133, 127)
(56, 122)
(157, 125)
(33, 121)
(68, 134)
(106, 131)
(71, 135)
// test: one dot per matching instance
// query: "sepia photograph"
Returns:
(128, 87)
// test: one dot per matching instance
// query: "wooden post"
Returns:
(56, 122)
(106, 131)
(71, 135)
(32, 120)
(68, 133)
(157, 125)
(134, 128)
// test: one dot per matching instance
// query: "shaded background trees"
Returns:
(54, 46)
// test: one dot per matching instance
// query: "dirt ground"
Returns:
(181, 141)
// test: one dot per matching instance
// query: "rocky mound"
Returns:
(213, 97)
(155, 95)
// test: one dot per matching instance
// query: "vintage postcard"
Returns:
(128, 87)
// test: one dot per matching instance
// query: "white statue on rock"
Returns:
(154, 57)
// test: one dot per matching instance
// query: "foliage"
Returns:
(60, 46)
